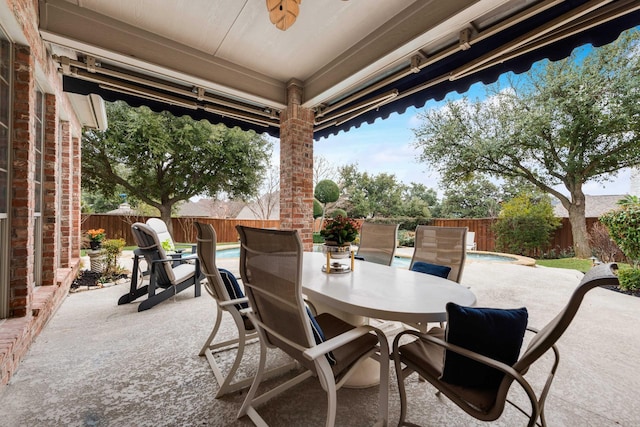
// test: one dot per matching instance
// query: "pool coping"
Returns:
(407, 252)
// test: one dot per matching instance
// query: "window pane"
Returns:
(4, 58)
(4, 149)
(4, 103)
(38, 191)
(3, 192)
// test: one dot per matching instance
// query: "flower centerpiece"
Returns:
(338, 234)
(339, 231)
(96, 236)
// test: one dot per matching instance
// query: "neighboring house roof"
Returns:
(211, 208)
(256, 210)
(248, 213)
(595, 206)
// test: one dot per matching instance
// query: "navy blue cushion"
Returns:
(433, 269)
(492, 332)
(318, 335)
(233, 287)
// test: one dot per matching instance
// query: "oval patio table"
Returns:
(382, 292)
(379, 292)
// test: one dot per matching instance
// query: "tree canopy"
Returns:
(477, 198)
(161, 159)
(559, 125)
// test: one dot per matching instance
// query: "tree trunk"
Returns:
(579, 226)
(165, 215)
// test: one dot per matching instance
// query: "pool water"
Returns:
(398, 261)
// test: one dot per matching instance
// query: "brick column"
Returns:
(66, 196)
(50, 176)
(296, 166)
(75, 236)
(22, 184)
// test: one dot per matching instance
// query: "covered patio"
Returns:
(98, 364)
(335, 68)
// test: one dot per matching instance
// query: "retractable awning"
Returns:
(357, 61)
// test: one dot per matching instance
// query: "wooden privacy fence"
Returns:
(117, 226)
(561, 240)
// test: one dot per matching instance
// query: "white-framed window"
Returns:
(6, 59)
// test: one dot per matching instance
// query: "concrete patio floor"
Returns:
(99, 364)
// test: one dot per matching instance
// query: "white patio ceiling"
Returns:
(225, 57)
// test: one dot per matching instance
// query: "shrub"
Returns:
(525, 225)
(406, 238)
(629, 279)
(112, 248)
(602, 245)
(338, 212)
(623, 225)
(408, 223)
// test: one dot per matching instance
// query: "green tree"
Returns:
(161, 160)
(326, 192)
(371, 195)
(96, 202)
(420, 201)
(564, 123)
(476, 198)
(525, 225)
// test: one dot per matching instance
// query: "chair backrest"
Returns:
(162, 231)
(601, 275)
(471, 240)
(206, 251)
(441, 246)
(378, 242)
(150, 246)
(271, 270)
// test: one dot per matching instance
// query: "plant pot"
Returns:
(95, 245)
(337, 251)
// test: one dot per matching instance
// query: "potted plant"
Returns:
(96, 236)
(338, 234)
(339, 231)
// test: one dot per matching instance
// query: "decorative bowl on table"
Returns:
(337, 251)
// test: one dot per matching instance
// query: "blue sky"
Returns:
(386, 147)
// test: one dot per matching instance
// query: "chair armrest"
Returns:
(503, 367)
(233, 302)
(336, 342)
(163, 260)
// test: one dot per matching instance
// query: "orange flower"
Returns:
(96, 235)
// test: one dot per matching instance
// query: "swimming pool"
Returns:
(398, 261)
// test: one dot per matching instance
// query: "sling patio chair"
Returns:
(328, 347)
(223, 286)
(378, 242)
(440, 251)
(475, 361)
(163, 274)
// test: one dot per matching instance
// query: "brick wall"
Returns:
(22, 184)
(30, 308)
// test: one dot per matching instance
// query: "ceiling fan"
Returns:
(283, 13)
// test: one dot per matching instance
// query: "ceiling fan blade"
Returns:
(283, 13)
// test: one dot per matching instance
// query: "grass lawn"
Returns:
(572, 263)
